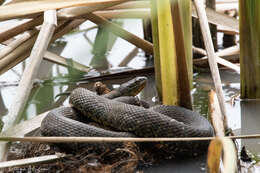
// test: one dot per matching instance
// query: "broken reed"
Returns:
(58, 139)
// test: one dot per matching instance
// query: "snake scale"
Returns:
(126, 120)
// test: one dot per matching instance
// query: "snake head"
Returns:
(134, 86)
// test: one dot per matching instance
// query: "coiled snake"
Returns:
(128, 120)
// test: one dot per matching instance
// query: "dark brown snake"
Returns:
(128, 120)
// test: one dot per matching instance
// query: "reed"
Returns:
(58, 139)
(17, 42)
(75, 12)
(117, 30)
(25, 84)
(22, 51)
(225, 52)
(216, 148)
(211, 58)
(57, 59)
(25, 8)
(143, 13)
(249, 48)
(20, 28)
(31, 161)
(172, 73)
(181, 18)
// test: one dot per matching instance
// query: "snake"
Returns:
(124, 119)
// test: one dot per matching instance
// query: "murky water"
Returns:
(243, 116)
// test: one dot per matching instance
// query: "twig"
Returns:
(12, 56)
(225, 52)
(215, 114)
(222, 61)
(198, 50)
(58, 139)
(228, 64)
(211, 57)
(227, 31)
(129, 57)
(22, 51)
(25, 85)
(17, 42)
(31, 161)
(17, 29)
(57, 59)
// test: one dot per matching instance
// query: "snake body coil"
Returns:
(127, 120)
(179, 122)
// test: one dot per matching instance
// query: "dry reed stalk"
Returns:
(66, 27)
(125, 13)
(198, 50)
(227, 144)
(222, 147)
(227, 31)
(59, 139)
(16, 60)
(230, 24)
(211, 58)
(52, 57)
(12, 56)
(31, 161)
(79, 11)
(129, 57)
(225, 52)
(17, 29)
(17, 42)
(26, 8)
(22, 52)
(131, 4)
(30, 72)
(228, 64)
(230, 155)
(215, 114)
(117, 30)
(5, 43)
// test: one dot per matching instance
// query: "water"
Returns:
(242, 115)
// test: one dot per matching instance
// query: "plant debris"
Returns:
(125, 159)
